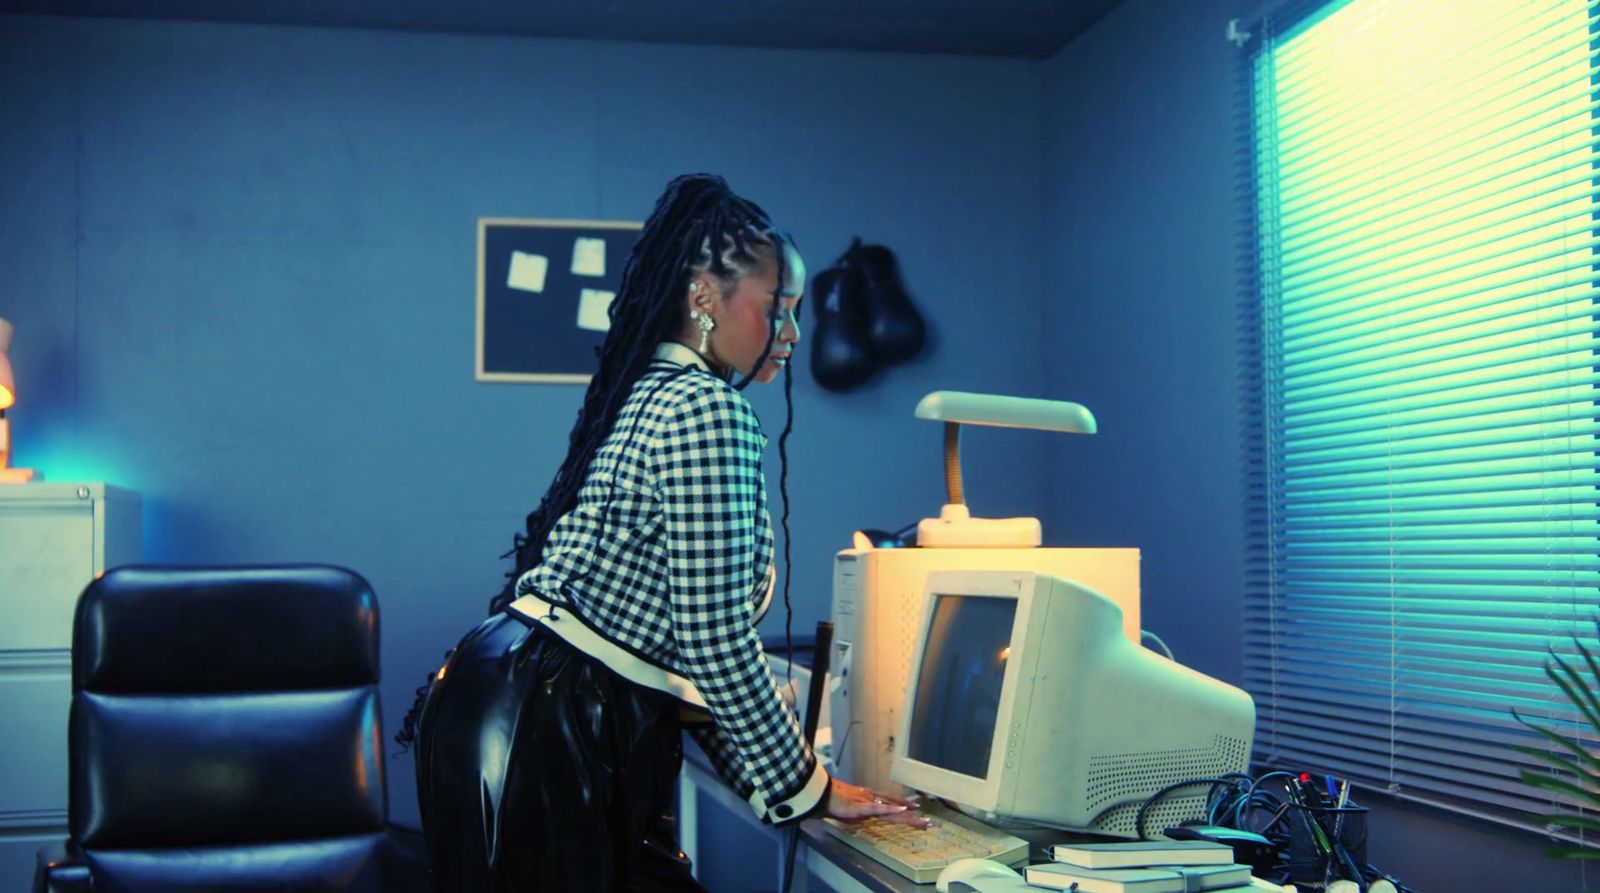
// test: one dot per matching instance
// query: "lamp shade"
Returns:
(8, 386)
(1006, 412)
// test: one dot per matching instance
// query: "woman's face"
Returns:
(743, 322)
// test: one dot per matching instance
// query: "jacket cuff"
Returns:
(796, 807)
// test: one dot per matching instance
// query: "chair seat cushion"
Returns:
(352, 864)
(225, 769)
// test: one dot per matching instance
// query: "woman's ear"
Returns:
(700, 293)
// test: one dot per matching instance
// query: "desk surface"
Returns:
(837, 865)
(868, 873)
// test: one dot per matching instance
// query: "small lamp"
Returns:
(955, 526)
(8, 392)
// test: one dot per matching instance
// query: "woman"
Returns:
(549, 744)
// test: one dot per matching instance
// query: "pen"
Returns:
(1337, 859)
(1338, 827)
(1309, 804)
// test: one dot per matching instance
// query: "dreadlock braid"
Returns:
(698, 225)
(695, 213)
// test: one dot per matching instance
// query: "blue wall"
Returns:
(241, 265)
(240, 261)
(1140, 308)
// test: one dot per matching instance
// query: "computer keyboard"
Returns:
(920, 854)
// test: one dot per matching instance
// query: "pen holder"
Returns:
(1309, 860)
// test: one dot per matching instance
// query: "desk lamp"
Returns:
(955, 526)
(8, 390)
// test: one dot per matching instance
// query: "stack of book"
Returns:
(1145, 866)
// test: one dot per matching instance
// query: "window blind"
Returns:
(1424, 267)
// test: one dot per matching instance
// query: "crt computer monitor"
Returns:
(1027, 706)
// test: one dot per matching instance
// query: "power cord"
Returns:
(1138, 820)
(1146, 635)
(1235, 800)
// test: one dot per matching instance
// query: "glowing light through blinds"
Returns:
(1425, 262)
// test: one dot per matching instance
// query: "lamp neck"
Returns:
(952, 464)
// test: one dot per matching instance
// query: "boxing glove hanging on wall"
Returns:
(840, 355)
(895, 330)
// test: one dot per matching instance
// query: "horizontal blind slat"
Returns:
(1424, 524)
(1514, 380)
(1560, 267)
(1562, 311)
(1568, 57)
(1485, 158)
(1537, 416)
(1464, 367)
(1318, 81)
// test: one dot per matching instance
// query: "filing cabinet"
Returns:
(54, 539)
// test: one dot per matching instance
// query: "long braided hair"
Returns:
(698, 226)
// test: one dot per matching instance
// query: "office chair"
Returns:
(225, 735)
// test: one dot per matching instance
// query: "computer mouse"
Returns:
(966, 870)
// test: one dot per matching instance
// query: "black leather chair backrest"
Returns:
(203, 630)
(225, 730)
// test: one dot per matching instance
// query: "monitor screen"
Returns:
(959, 682)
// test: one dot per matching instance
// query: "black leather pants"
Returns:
(538, 769)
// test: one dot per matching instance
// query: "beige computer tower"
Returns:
(877, 609)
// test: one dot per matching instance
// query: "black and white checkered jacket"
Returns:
(664, 567)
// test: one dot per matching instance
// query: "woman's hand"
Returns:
(850, 803)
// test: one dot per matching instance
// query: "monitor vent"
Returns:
(1119, 784)
(1120, 821)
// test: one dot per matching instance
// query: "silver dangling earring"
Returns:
(706, 325)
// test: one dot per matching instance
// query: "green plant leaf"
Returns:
(1570, 745)
(1573, 687)
(1559, 785)
(1594, 670)
(1566, 743)
(1581, 696)
(1571, 821)
(1580, 783)
(1563, 763)
(1574, 852)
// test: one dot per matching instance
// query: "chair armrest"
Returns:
(60, 871)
